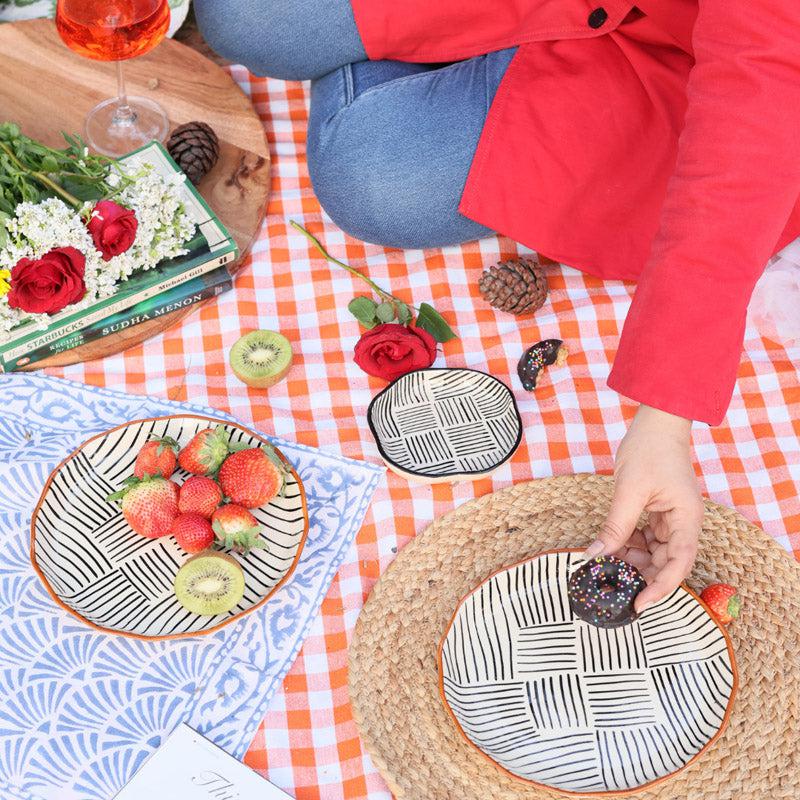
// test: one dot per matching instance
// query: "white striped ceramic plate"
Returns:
(436, 425)
(97, 568)
(560, 703)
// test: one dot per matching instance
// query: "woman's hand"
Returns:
(653, 472)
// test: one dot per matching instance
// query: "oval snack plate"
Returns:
(562, 704)
(97, 568)
(443, 424)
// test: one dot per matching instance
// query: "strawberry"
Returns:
(149, 504)
(199, 495)
(723, 601)
(252, 477)
(237, 529)
(205, 452)
(193, 532)
(157, 458)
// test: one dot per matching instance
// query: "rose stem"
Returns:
(42, 178)
(381, 293)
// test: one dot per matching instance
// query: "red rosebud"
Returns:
(391, 350)
(113, 228)
(50, 283)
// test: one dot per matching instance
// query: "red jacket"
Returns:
(659, 142)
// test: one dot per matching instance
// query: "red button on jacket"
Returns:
(661, 146)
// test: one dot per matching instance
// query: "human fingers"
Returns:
(680, 552)
(638, 540)
(626, 507)
(641, 559)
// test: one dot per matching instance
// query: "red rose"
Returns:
(48, 284)
(391, 350)
(113, 228)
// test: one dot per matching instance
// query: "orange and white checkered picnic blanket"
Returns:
(308, 743)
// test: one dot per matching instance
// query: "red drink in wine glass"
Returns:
(113, 31)
(116, 30)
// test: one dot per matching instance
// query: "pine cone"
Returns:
(518, 286)
(195, 148)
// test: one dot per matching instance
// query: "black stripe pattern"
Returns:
(440, 423)
(562, 703)
(121, 581)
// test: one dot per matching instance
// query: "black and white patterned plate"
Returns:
(97, 568)
(437, 425)
(563, 704)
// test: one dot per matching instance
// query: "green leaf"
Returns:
(74, 142)
(49, 164)
(430, 320)
(9, 130)
(29, 193)
(270, 453)
(404, 314)
(129, 483)
(164, 443)
(385, 312)
(83, 188)
(364, 310)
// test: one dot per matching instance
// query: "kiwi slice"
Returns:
(261, 358)
(209, 583)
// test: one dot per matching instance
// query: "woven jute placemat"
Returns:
(393, 672)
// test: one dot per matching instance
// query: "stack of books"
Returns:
(200, 274)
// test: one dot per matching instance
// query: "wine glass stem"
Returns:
(124, 114)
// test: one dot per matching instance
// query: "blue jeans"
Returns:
(390, 144)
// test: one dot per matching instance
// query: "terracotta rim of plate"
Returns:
(206, 631)
(568, 792)
(420, 477)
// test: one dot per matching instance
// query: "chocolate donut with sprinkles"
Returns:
(601, 591)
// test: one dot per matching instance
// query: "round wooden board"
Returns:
(46, 88)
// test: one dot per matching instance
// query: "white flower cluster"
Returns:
(164, 228)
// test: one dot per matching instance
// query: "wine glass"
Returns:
(115, 30)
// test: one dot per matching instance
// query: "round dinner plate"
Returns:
(97, 568)
(445, 424)
(560, 703)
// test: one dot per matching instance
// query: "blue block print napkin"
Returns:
(80, 710)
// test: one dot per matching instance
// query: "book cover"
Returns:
(141, 291)
(204, 287)
(211, 247)
(188, 766)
